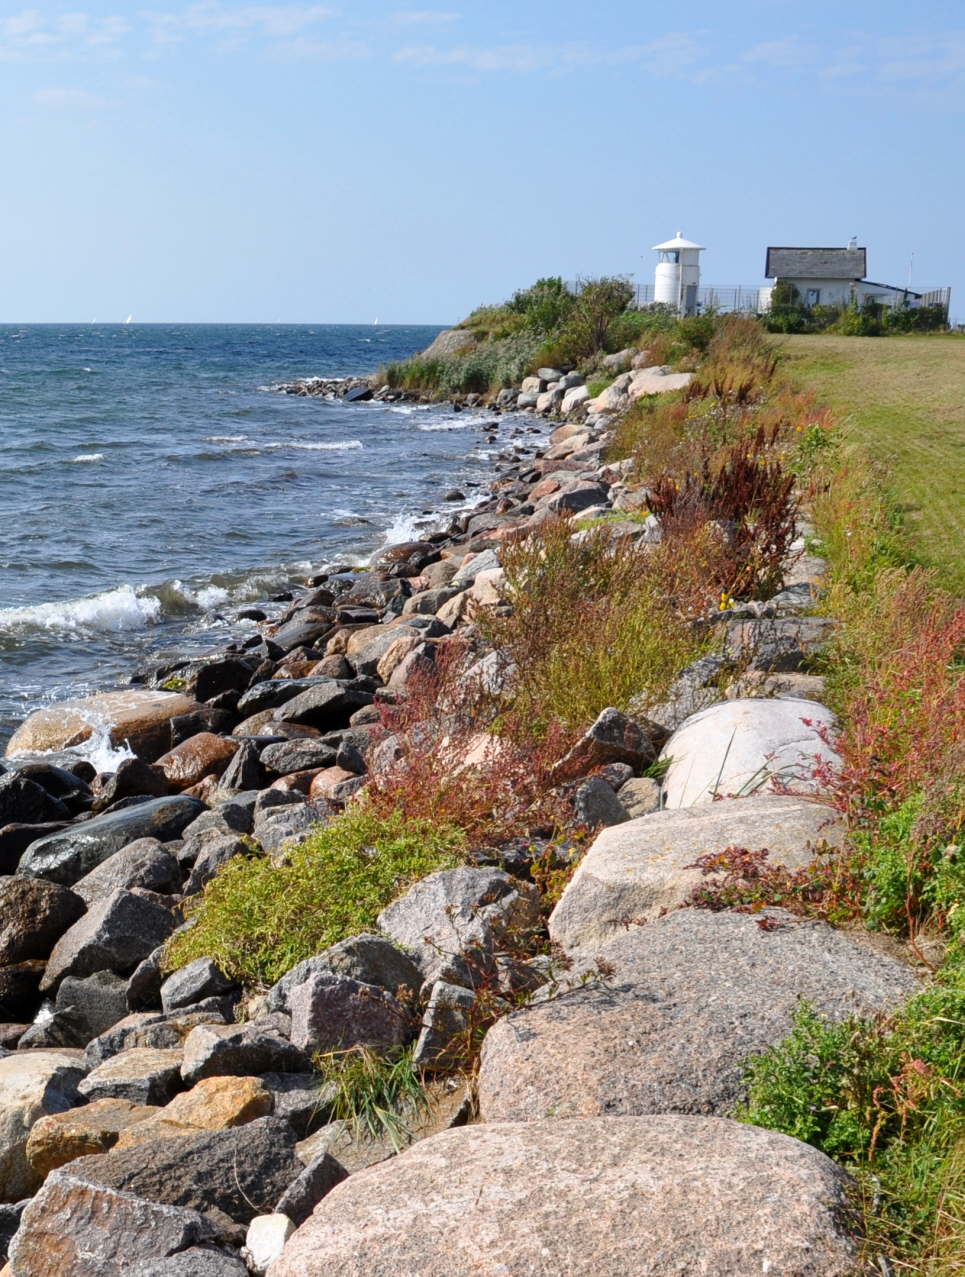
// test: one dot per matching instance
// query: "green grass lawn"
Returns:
(903, 398)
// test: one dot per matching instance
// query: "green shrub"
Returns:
(376, 1096)
(256, 920)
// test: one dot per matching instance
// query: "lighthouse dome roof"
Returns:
(678, 241)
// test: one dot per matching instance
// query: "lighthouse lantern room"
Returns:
(677, 275)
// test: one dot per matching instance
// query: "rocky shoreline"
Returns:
(170, 1123)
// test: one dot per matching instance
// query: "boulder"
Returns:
(265, 1241)
(244, 771)
(238, 1050)
(214, 1104)
(34, 914)
(574, 398)
(239, 1173)
(742, 747)
(692, 996)
(150, 1029)
(141, 1074)
(303, 1194)
(192, 984)
(58, 1138)
(197, 757)
(196, 1261)
(640, 870)
(17, 837)
(78, 1228)
(114, 935)
(287, 756)
(32, 1084)
(216, 850)
(23, 801)
(575, 496)
(612, 738)
(654, 381)
(640, 796)
(333, 1012)
(137, 718)
(98, 1001)
(133, 778)
(453, 921)
(325, 706)
(620, 361)
(442, 1044)
(142, 863)
(67, 856)
(595, 804)
(20, 989)
(367, 958)
(601, 1197)
(784, 644)
(451, 341)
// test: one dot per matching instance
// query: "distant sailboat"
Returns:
(375, 322)
(129, 319)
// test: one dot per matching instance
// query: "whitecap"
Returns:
(98, 749)
(343, 445)
(112, 610)
(404, 527)
(89, 457)
(225, 438)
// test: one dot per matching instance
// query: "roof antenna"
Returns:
(853, 242)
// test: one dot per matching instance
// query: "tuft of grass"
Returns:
(257, 919)
(376, 1096)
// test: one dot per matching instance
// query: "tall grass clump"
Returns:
(256, 919)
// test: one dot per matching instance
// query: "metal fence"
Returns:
(742, 299)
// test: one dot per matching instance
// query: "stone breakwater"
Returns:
(155, 1123)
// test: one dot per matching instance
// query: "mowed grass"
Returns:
(903, 399)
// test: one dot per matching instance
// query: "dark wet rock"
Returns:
(115, 934)
(67, 856)
(325, 705)
(133, 777)
(143, 863)
(20, 989)
(271, 693)
(226, 674)
(305, 629)
(10, 1215)
(73, 792)
(244, 772)
(16, 838)
(204, 719)
(23, 801)
(34, 914)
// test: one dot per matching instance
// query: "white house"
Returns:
(831, 277)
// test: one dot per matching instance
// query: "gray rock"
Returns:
(453, 921)
(238, 1050)
(304, 1193)
(32, 1084)
(244, 772)
(238, 1173)
(644, 868)
(595, 804)
(576, 496)
(640, 796)
(217, 850)
(325, 706)
(142, 863)
(367, 958)
(274, 692)
(693, 995)
(612, 738)
(192, 984)
(290, 756)
(10, 1216)
(150, 1029)
(142, 1075)
(76, 1228)
(114, 935)
(230, 817)
(784, 644)
(485, 561)
(746, 746)
(333, 1012)
(292, 824)
(64, 1027)
(196, 1261)
(144, 985)
(300, 1098)
(441, 1045)
(67, 856)
(600, 1197)
(99, 1000)
(34, 914)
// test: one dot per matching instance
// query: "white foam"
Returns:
(89, 456)
(117, 609)
(211, 596)
(225, 438)
(97, 748)
(404, 527)
(344, 445)
(449, 424)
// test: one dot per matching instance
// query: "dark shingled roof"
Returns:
(816, 263)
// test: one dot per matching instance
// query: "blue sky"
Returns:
(337, 162)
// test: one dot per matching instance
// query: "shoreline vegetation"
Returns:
(680, 681)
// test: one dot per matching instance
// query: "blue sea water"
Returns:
(151, 484)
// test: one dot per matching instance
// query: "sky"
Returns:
(299, 162)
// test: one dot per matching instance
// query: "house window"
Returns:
(812, 297)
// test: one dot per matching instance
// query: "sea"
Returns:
(152, 484)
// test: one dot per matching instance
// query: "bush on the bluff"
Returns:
(256, 920)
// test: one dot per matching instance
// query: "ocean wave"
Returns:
(88, 456)
(342, 445)
(225, 438)
(447, 425)
(118, 609)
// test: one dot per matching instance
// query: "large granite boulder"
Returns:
(453, 921)
(32, 1084)
(59, 1138)
(600, 1197)
(643, 868)
(78, 1228)
(139, 718)
(749, 746)
(691, 996)
(72, 853)
(114, 935)
(142, 863)
(204, 754)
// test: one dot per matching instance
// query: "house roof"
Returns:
(816, 263)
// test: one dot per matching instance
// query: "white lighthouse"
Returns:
(678, 274)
